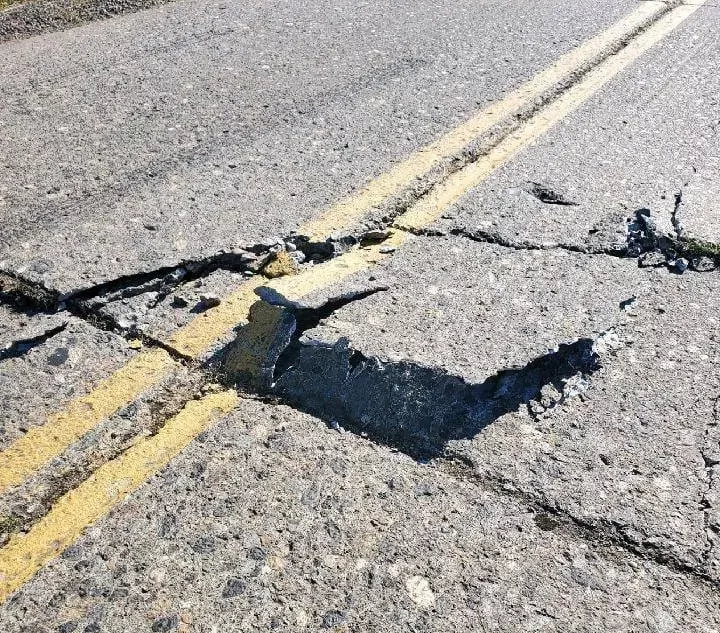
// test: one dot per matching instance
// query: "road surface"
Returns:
(380, 316)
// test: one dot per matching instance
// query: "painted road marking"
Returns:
(429, 208)
(25, 554)
(344, 213)
(41, 443)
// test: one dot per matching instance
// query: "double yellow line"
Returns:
(25, 554)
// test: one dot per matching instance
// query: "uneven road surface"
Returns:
(376, 316)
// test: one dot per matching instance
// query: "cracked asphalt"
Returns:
(360, 316)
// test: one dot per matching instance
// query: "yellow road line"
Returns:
(25, 554)
(429, 209)
(42, 443)
(392, 182)
(195, 337)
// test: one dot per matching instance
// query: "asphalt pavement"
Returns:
(361, 317)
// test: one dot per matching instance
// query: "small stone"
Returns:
(179, 302)
(418, 589)
(150, 227)
(298, 256)
(703, 264)
(210, 300)
(386, 250)
(165, 624)
(681, 264)
(423, 489)
(135, 343)
(333, 619)
(374, 237)
(652, 259)
(281, 265)
(233, 587)
(257, 553)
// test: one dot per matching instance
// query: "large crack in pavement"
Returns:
(418, 409)
(404, 405)
(655, 245)
(549, 516)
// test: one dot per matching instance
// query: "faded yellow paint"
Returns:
(42, 443)
(344, 213)
(429, 208)
(197, 336)
(25, 554)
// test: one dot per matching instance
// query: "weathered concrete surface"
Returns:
(633, 146)
(631, 450)
(275, 521)
(474, 309)
(637, 455)
(171, 141)
(50, 374)
(22, 330)
(698, 213)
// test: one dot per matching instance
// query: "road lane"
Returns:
(267, 116)
(274, 520)
(634, 146)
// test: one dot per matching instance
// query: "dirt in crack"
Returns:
(655, 247)
(408, 406)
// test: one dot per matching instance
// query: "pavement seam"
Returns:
(709, 453)
(597, 535)
(489, 237)
(26, 503)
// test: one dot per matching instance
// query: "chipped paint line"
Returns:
(25, 554)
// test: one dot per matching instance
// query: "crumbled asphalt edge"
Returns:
(393, 399)
(677, 252)
(26, 503)
(30, 297)
(34, 17)
(23, 346)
